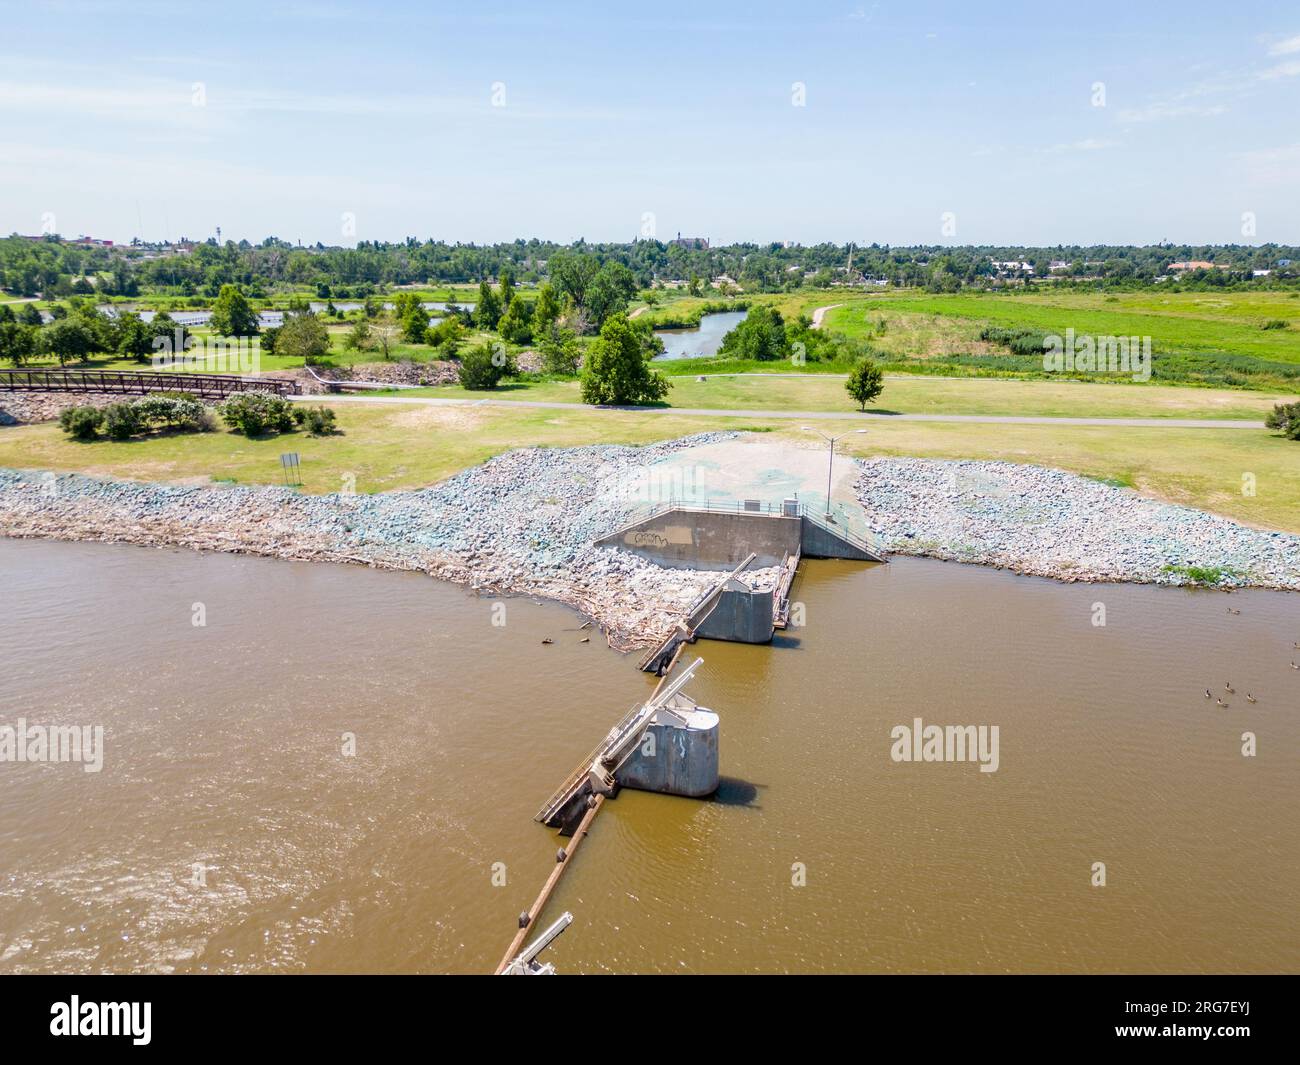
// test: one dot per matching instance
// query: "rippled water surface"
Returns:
(229, 831)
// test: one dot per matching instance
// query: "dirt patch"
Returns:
(449, 418)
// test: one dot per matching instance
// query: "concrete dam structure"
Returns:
(737, 536)
(717, 535)
(669, 743)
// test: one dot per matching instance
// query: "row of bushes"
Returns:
(121, 421)
(250, 413)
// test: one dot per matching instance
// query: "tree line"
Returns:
(54, 269)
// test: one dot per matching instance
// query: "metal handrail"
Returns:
(816, 513)
(130, 382)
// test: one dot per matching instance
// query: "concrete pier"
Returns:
(742, 615)
(678, 755)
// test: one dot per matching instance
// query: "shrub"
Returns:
(483, 366)
(318, 421)
(255, 413)
(122, 421)
(1203, 576)
(81, 423)
(1275, 323)
(1285, 417)
(173, 412)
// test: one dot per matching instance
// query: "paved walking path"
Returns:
(808, 415)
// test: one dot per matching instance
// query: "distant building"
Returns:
(1194, 264)
(691, 243)
(1260, 273)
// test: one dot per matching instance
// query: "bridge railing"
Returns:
(135, 383)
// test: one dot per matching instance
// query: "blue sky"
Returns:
(164, 119)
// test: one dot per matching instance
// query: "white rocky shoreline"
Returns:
(524, 524)
(1048, 523)
(520, 524)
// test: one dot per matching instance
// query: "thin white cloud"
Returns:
(1272, 166)
(1088, 144)
(1289, 69)
(1286, 46)
(186, 103)
(201, 177)
(1159, 111)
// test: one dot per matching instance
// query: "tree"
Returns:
(572, 273)
(134, 338)
(866, 381)
(516, 325)
(761, 336)
(68, 340)
(447, 335)
(487, 311)
(617, 369)
(232, 315)
(559, 351)
(412, 316)
(358, 337)
(169, 337)
(384, 330)
(483, 366)
(31, 315)
(303, 336)
(547, 308)
(609, 292)
(507, 279)
(17, 342)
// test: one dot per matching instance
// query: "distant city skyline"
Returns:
(867, 122)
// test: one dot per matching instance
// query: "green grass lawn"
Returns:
(921, 395)
(1196, 337)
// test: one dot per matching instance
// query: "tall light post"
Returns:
(830, 465)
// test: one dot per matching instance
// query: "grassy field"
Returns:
(383, 446)
(392, 446)
(922, 395)
(1196, 337)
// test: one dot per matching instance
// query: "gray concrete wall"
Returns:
(742, 615)
(822, 543)
(675, 760)
(717, 540)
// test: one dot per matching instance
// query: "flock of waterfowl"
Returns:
(1227, 685)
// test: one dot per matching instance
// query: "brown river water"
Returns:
(229, 831)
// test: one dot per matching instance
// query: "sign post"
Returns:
(289, 462)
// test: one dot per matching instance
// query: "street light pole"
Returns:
(830, 465)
